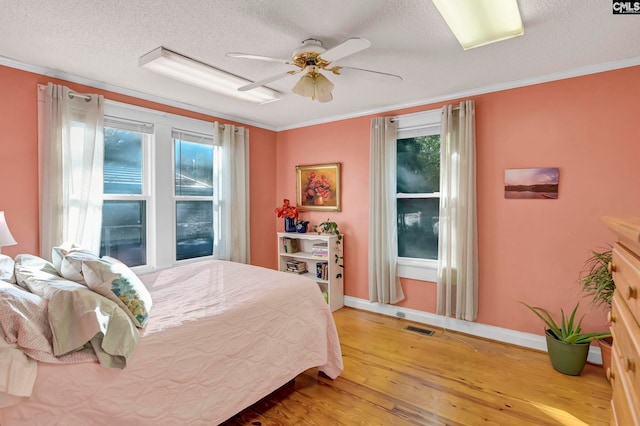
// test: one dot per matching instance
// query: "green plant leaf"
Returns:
(569, 330)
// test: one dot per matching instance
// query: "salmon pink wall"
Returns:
(529, 250)
(19, 162)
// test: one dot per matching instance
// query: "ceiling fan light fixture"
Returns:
(315, 86)
(305, 87)
(477, 23)
(323, 88)
(190, 71)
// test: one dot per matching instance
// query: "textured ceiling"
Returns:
(100, 43)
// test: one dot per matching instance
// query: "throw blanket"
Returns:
(53, 320)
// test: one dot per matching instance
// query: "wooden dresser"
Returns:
(625, 322)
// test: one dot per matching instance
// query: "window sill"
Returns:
(423, 270)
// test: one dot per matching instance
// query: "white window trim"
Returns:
(410, 125)
(213, 198)
(161, 214)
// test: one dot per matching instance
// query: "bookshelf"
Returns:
(313, 249)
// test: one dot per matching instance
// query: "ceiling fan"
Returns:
(313, 59)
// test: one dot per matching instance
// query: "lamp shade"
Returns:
(323, 88)
(315, 86)
(6, 239)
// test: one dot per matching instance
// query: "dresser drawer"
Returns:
(626, 342)
(624, 403)
(626, 274)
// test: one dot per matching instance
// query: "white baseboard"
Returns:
(519, 338)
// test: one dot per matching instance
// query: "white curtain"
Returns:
(457, 287)
(384, 284)
(71, 154)
(234, 142)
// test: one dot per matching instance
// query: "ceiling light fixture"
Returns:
(479, 22)
(190, 71)
(315, 86)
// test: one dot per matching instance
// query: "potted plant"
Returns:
(328, 227)
(567, 346)
(597, 281)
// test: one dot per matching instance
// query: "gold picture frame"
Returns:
(318, 187)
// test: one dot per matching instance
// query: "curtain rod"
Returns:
(79, 95)
(455, 108)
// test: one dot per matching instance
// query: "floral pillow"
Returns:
(114, 280)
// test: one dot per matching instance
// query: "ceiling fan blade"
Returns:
(346, 48)
(266, 80)
(256, 57)
(384, 74)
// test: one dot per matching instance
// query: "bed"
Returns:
(219, 337)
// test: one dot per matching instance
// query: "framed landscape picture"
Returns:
(318, 187)
(534, 183)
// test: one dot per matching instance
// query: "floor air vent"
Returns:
(419, 330)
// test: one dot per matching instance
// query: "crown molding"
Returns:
(49, 72)
(561, 75)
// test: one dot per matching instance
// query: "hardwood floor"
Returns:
(397, 377)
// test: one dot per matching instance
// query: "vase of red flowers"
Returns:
(289, 213)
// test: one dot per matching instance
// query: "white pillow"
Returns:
(7, 269)
(59, 252)
(71, 264)
(32, 271)
(115, 281)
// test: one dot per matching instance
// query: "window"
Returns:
(194, 159)
(418, 194)
(160, 188)
(126, 191)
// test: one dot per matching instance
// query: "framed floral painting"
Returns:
(318, 187)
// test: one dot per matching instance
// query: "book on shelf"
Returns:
(322, 270)
(296, 265)
(290, 245)
(295, 271)
(320, 250)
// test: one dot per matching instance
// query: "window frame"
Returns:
(145, 195)
(160, 210)
(214, 198)
(423, 123)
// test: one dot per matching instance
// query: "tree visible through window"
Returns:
(418, 196)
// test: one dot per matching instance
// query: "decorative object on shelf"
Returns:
(301, 226)
(567, 346)
(328, 227)
(289, 213)
(289, 224)
(318, 187)
(597, 281)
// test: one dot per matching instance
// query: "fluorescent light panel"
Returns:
(187, 70)
(479, 22)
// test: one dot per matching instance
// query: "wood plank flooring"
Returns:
(397, 377)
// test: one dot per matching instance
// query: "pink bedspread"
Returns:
(220, 337)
